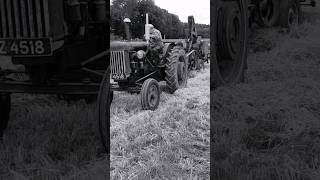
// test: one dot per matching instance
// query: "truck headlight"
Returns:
(141, 54)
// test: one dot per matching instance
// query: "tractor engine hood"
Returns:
(127, 45)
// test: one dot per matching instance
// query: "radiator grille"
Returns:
(120, 62)
(24, 18)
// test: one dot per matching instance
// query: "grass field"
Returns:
(269, 127)
(171, 142)
(50, 139)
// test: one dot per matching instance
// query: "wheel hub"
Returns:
(292, 18)
(153, 95)
(234, 36)
(266, 10)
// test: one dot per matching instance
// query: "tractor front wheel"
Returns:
(5, 107)
(150, 94)
(176, 70)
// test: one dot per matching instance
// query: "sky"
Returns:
(200, 9)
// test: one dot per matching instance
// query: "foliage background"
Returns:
(169, 24)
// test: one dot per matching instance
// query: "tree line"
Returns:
(169, 24)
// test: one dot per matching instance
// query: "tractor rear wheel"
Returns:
(150, 94)
(5, 107)
(176, 69)
(290, 13)
(103, 106)
(230, 42)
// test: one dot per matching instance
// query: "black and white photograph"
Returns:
(160, 89)
(265, 122)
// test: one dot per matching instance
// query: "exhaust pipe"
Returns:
(147, 28)
(127, 22)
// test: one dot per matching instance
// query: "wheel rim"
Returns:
(153, 96)
(292, 18)
(234, 36)
(182, 69)
(267, 11)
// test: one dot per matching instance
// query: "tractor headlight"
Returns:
(141, 54)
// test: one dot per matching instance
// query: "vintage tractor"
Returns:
(229, 41)
(284, 13)
(53, 47)
(135, 69)
(198, 47)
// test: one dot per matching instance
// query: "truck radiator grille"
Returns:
(24, 18)
(119, 61)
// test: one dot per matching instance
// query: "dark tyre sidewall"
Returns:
(287, 6)
(111, 97)
(103, 107)
(5, 108)
(216, 76)
(145, 93)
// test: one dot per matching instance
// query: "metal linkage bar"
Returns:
(58, 88)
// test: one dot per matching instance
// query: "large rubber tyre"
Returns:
(103, 107)
(150, 94)
(269, 12)
(290, 13)
(176, 69)
(5, 108)
(229, 44)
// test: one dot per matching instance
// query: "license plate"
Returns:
(118, 76)
(26, 47)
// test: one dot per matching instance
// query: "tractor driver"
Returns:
(156, 44)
